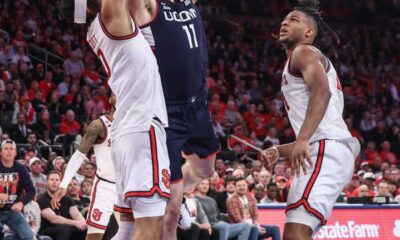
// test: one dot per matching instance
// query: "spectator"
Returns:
(242, 207)
(367, 122)
(226, 230)
(200, 228)
(65, 222)
(19, 131)
(362, 191)
(383, 190)
(95, 105)
(89, 171)
(73, 191)
(221, 197)
(272, 136)
(37, 177)
(44, 127)
(73, 65)
(58, 164)
(69, 125)
(86, 188)
(32, 140)
(21, 56)
(28, 110)
(272, 194)
(231, 113)
(265, 177)
(387, 155)
(12, 200)
(352, 185)
(32, 216)
(259, 192)
(46, 85)
(37, 103)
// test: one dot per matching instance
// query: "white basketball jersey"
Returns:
(102, 151)
(297, 94)
(133, 77)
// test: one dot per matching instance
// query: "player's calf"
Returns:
(296, 231)
(94, 236)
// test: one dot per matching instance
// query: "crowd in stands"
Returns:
(41, 102)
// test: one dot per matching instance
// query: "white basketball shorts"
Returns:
(142, 172)
(312, 196)
(101, 205)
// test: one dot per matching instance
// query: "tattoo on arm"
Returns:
(94, 131)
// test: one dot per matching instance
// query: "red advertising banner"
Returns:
(347, 222)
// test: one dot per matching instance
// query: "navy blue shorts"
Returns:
(189, 131)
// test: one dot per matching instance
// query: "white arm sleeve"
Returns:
(73, 165)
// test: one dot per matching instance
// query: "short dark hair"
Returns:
(271, 185)
(53, 172)
(311, 9)
(229, 179)
(240, 179)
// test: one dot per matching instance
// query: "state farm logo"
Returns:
(396, 229)
(350, 230)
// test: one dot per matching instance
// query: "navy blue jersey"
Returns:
(178, 40)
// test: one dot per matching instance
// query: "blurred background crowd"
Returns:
(52, 86)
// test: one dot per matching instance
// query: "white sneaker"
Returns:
(184, 221)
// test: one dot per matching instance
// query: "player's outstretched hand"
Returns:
(55, 201)
(300, 155)
(270, 155)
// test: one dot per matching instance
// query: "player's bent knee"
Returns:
(204, 173)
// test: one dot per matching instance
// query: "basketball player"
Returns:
(174, 30)
(324, 148)
(103, 191)
(138, 147)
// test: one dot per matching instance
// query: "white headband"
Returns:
(80, 11)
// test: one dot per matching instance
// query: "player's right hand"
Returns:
(55, 201)
(300, 156)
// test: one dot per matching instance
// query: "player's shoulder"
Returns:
(303, 50)
(303, 55)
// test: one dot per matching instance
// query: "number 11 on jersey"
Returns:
(191, 34)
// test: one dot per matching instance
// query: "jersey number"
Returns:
(191, 34)
(104, 62)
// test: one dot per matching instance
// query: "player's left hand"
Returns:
(300, 155)
(17, 206)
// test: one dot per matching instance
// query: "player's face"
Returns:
(294, 28)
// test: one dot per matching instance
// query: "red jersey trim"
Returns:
(304, 199)
(153, 190)
(122, 209)
(92, 201)
(89, 222)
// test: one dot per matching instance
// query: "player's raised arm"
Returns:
(94, 131)
(115, 16)
(310, 63)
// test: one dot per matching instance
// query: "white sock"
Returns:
(125, 231)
